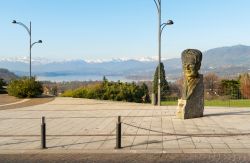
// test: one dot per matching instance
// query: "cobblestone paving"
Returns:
(80, 124)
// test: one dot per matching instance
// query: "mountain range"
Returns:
(225, 61)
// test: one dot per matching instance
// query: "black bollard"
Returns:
(43, 134)
(118, 133)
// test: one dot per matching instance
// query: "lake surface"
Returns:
(82, 78)
(68, 78)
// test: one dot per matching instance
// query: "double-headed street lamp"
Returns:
(29, 32)
(161, 27)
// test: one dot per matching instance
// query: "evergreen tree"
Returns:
(164, 83)
(230, 88)
(2, 83)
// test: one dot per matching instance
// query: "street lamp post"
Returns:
(161, 27)
(29, 32)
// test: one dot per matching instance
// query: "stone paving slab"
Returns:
(89, 125)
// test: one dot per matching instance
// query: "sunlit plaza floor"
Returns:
(90, 126)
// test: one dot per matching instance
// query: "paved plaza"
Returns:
(88, 126)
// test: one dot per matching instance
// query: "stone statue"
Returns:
(191, 105)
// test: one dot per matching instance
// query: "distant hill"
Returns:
(225, 61)
(232, 56)
(7, 75)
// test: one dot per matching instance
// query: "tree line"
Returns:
(215, 88)
(218, 87)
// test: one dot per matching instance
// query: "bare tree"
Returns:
(177, 87)
(211, 84)
(211, 81)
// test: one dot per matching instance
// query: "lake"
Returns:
(82, 78)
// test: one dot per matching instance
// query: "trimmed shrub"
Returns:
(25, 87)
(68, 93)
(116, 91)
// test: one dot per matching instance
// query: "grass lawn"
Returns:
(225, 103)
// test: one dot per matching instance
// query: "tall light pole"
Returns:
(161, 26)
(29, 32)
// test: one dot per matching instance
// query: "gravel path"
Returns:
(5, 100)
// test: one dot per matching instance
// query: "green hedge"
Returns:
(116, 91)
(25, 87)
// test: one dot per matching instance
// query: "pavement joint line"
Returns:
(94, 137)
(77, 135)
(76, 117)
(124, 129)
(192, 135)
(172, 123)
(110, 133)
(150, 128)
(136, 133)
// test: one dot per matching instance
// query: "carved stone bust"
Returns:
(191, 63)
(192, 103)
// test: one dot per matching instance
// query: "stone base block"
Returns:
(188, 109)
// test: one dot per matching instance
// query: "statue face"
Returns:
(191, 62)
(190, 69)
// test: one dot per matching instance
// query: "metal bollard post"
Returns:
(43, 133)
(118, 133)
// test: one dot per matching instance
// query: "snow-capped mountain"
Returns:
(116, 66)
(42, 60)
(224, 60)
(25, 59)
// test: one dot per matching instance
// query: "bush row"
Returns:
(116, 91)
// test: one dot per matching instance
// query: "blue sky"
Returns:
(105, 29)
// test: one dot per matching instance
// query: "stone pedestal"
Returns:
(187, 109)
(193, 107)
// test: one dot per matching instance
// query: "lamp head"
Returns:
(170, 22)
(14, 21)
(40, 41)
